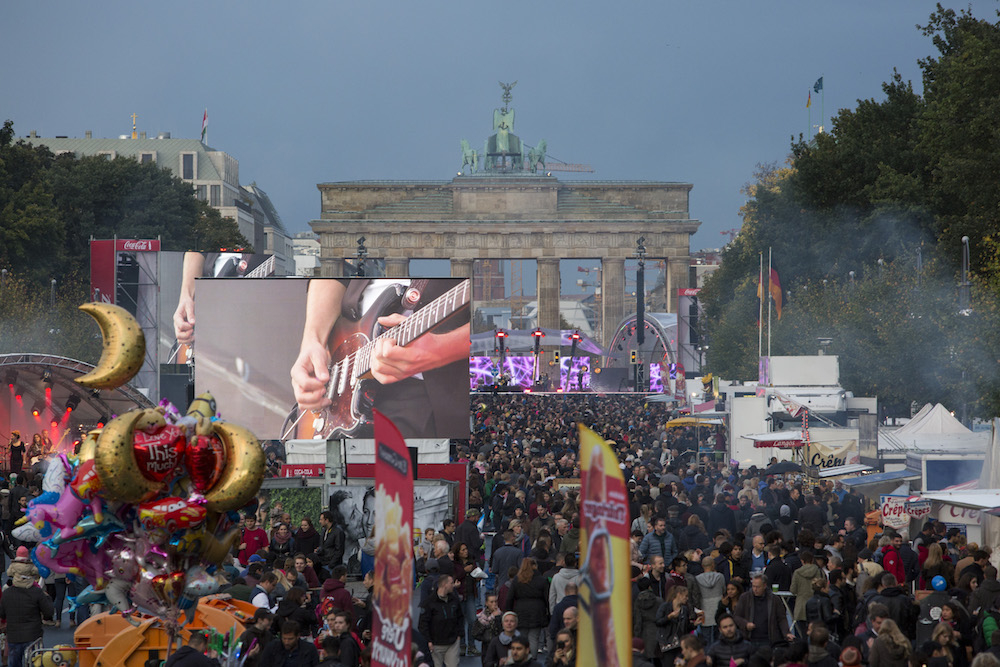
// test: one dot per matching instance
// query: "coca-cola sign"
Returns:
(138, 245)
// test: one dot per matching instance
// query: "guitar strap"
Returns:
(350, 307)
(413, 295)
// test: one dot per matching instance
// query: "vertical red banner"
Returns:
(605, 619)
(102, 271)
(393, 547)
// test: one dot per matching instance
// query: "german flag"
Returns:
(774, 289)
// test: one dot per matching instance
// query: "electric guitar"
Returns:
(352, 388)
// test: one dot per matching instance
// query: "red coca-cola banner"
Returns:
(103, 258)
(393, 547)
(303, 469)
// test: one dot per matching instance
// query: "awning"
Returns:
(977, 499)
(850, 468)
(880, 478)
(778, 439)
(693, 421)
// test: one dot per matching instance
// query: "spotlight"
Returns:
(10, 377)
(102, 421)
(54, 424)
(47, 377)
(72, 403)
(37, 408)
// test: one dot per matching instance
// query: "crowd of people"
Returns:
(730, 566)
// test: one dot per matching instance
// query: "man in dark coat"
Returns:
(193, 655)
(761, 615)
(468, 534)
(332, 543)
(291, 651)
(442, 621)
(731, 645)
(24, 606)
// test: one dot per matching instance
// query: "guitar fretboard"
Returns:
(416, 325)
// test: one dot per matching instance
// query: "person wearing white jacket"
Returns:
(713, 587)
(568, 574)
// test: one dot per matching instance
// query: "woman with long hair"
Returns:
(530, 601)
(282, 545)
(945, 635)
(891, 647)
(728, 602)
(306, 537)
(465, 586)
(642, 522)
(675, 618)
(693, 535)
(935, 564)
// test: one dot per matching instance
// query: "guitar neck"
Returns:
(419, 323)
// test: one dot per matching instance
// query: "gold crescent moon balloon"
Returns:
(124, 347)
(244, 471)
(115, 461)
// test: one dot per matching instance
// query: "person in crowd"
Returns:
(675, 619)
(563, 650)
(257, 636)
(252, 540)
(731, 648)
(529, 599)
(645, 606)
(24, 607)
(891, 648)
(499, 648)
(693, 652)
(192, 654)
(712, 588)
(291, 649)
(442, 622)
(306, 537)
(761, 616)
(487, 624)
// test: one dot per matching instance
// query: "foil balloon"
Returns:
(171, 514)
(205, 459)
(169, 587)
(158, 454)
(144, 596)
(63, 515)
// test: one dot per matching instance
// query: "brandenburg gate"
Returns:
(507, 206)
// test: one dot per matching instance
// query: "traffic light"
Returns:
(555, 356)
(632, 358)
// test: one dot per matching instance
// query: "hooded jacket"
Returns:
(802, 589)
(713, 587)
(557, 588)
(644, 610)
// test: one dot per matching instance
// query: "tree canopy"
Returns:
(865, 225)
(50, 208)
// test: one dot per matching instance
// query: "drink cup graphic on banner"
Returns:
(393, 588)
(605, 625)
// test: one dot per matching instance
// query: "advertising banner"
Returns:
(894, 514)
(605, 621)
(393, 547)
(918, 509)
(310, 359)
(832, 454)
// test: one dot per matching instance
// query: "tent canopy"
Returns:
(935, 420)
(693, 421)
(977, 499)
(778, 439)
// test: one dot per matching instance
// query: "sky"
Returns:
(311, 92)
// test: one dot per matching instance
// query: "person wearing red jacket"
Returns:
(891, 560)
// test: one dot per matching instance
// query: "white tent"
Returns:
(932, 429)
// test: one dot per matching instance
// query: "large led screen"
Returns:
(304, 359)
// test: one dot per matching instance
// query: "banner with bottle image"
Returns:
(393, 547)
(605, 620)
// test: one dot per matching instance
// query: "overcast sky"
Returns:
(308, 92)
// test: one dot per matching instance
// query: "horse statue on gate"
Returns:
(469, 157)
(536, 156)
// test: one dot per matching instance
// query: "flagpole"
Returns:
(769, 307)
(760, 308)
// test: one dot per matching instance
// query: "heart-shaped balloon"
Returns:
(158, 454)
(169, 587)
(205, 458)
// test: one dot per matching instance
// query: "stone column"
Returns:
(548, 293)
(678, 270)
(461, 268)
(612, 295)
(331, 267)
(397, 268)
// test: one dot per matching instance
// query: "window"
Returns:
(215, 192)
(107, 155)
(145, 158)
(187, 166)
(200, 192)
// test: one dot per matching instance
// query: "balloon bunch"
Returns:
(147, 510)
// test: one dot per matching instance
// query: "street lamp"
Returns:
(362, 254)
(538, 335)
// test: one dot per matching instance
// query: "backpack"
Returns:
(981, 641)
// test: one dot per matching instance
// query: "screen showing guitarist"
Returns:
(400, 345)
